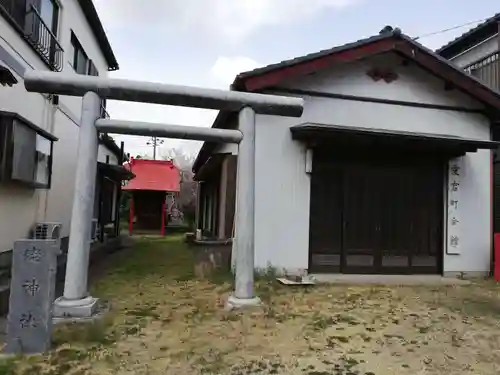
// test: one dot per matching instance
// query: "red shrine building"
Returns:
(155, 182)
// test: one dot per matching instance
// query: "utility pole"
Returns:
(155, 142)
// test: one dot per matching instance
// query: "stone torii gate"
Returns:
(76, 302)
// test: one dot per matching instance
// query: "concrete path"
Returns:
(387, 279)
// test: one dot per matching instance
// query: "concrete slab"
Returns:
(388, 279)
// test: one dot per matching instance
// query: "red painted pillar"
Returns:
(496, 272)
(131, 215)
(163, 207)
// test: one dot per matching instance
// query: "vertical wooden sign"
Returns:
(455, 180)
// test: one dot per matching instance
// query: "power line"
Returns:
(155, 142)
(450, 28)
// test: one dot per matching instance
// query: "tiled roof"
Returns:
(386, 33)
(315, 55)
(473, 36)
(157, 175)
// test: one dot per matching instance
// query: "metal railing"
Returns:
(43, 40)
(487, 70)
(104, 112)
(36, 32)
(39, 35)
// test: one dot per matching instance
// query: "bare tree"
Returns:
(188, 187)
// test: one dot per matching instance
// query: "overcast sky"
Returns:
(207, 42)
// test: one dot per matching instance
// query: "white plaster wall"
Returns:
(74, 19)
(283, 188)
(60, 195)
(64, 173)
(19, 205)
(103, 152)
(475, 213)
(20, 208)
(15, 98)
(477, 52)
(17, 214)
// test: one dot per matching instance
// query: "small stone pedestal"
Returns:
(234, 303)
(32, 291)
(80, 308)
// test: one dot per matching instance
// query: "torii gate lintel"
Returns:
(76, 301)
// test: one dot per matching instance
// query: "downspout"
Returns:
(494, 245)
(498, 61)
(495, 237)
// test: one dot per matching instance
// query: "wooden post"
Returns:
(119, 191)
(100, 219)
(117, 208)
(131, 215)
(197, 215)
(163, 216)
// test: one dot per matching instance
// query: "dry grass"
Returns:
(166, 322)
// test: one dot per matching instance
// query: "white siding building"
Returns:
(58, 35)
(477, 52)
(387, 171)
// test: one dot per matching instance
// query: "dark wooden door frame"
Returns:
(432, 236)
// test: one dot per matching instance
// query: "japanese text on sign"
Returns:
(454, 187)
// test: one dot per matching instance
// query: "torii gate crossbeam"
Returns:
(76, 301)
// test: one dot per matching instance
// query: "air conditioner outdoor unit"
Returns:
(94, 230)
(48, 231)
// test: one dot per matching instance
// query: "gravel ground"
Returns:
(164, 321)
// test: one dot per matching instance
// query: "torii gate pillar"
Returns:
(76, 302)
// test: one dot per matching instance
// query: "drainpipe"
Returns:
(498, 60)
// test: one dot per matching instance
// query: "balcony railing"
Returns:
(43, 40)
(36, 32)
(487, 70)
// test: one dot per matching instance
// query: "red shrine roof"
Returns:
(158, 175)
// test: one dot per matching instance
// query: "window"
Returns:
(92, 69)
(25, 152)
(83, 65)
(81, 62)
(37, 21)
(49, 12)
(80, 59)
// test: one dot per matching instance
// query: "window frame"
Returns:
(54, 28)
(16, 14)
(78, 48)
(8, 123)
